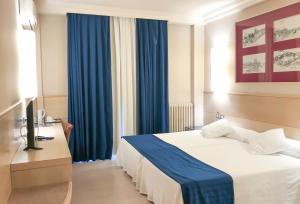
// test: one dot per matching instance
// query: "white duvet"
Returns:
(258, 179)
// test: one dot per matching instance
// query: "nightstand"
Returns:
(193, 128)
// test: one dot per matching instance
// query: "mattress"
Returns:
(257, 179)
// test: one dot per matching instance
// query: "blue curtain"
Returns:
(89, 80)
(152, 76)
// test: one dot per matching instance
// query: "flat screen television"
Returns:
(30, 112)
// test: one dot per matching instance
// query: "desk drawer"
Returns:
(41, 176)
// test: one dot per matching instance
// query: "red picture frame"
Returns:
(269, 60)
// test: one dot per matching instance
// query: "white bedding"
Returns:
(258, 179)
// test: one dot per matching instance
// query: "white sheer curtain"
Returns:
(123, 77)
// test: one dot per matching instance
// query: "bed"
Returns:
(257, 179)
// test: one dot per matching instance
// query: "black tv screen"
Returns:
(30, 113)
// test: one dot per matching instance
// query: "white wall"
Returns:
(9, 59)
(180, 63)
(53, 52)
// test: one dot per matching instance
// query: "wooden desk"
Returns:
(49, 194)
(42, 169)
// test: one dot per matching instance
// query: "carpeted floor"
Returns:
(102, 182)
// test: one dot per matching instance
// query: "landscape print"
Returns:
(287, 28)
(254, 36)
(255, 63)
(287, 60)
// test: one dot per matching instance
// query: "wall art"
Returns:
(287, 60)
(255, 63)
(268, 46)
(254, 36)
(287, 28)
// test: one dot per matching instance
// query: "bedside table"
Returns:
(193, 128)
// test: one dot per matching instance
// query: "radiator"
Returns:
(181, 116)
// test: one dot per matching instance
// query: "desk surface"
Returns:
(54, 152)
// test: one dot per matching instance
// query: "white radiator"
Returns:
(181, 116)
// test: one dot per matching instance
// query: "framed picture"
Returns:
(268, 47)
(287, 28)
(255, 63)
(287, 60)
(254, 36)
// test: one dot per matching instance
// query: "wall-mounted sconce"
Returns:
(219, 69)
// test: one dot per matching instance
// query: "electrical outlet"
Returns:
(22, 120)
(219, 116)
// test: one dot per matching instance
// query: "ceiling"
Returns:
(181, 11)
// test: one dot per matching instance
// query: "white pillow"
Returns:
(293, 150)
(218, 128)
(269, 142)
(242, 134)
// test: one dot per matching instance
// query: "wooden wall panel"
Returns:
(9, 143)
(259, 112)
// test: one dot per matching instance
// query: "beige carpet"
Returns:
(102, 182)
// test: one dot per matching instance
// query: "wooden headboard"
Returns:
(257, 112)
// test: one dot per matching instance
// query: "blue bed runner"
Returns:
(200, 183)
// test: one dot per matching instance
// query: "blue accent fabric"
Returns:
(152, 76)
(90, 92)
(200, 183)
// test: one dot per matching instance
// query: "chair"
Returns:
(67, 130)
